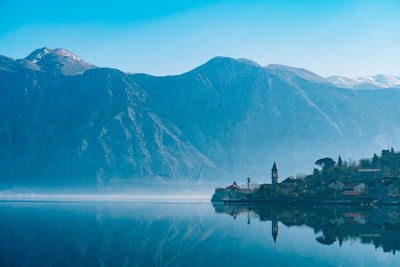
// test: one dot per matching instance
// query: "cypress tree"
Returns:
(375, 161)
(340, 162)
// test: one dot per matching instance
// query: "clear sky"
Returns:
(162, 37)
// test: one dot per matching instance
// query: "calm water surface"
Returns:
(165, 234)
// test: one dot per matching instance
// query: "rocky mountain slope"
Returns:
(87, 128)
(64, 121)
(244, 116)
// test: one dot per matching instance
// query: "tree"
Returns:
(392, 151)
(365, 163)
(315, 172)
(325, 163)
(340, 162)
(375, 161)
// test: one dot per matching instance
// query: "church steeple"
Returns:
(274, 174)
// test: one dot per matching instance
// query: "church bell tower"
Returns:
(274, 174)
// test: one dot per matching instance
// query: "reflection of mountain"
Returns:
(371, 225)
(99, 235)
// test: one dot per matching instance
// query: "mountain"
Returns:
(366, 82)
(224, 120)
(296, 72)
(56, 61)
(88, 128)
(244, 116)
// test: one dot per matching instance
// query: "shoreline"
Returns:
(278, 202)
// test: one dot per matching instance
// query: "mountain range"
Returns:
(64, 121)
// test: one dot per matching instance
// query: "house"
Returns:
(380, 190)
(235, 188)
(384, 188)
(232, 192)
(354, 189)
(367, 175)
(290, 181)
(336, 185)
(323, 183)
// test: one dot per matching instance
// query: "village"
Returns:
(372, 181)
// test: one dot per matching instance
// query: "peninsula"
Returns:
(369, 182)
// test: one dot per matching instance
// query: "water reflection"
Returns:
(379, 226)
(160, 234)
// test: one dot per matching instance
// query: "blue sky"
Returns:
(162, 37)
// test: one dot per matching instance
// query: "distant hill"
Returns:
(65, 121)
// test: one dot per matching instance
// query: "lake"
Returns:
(196, 234)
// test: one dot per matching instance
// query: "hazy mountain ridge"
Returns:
(225, 119)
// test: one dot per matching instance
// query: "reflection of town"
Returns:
(379, 226)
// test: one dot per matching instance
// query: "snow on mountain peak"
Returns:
(379, 81)
(66, 53)
(38, 54)
(58, 60)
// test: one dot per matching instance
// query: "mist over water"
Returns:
(123, 192)
(184, 198)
